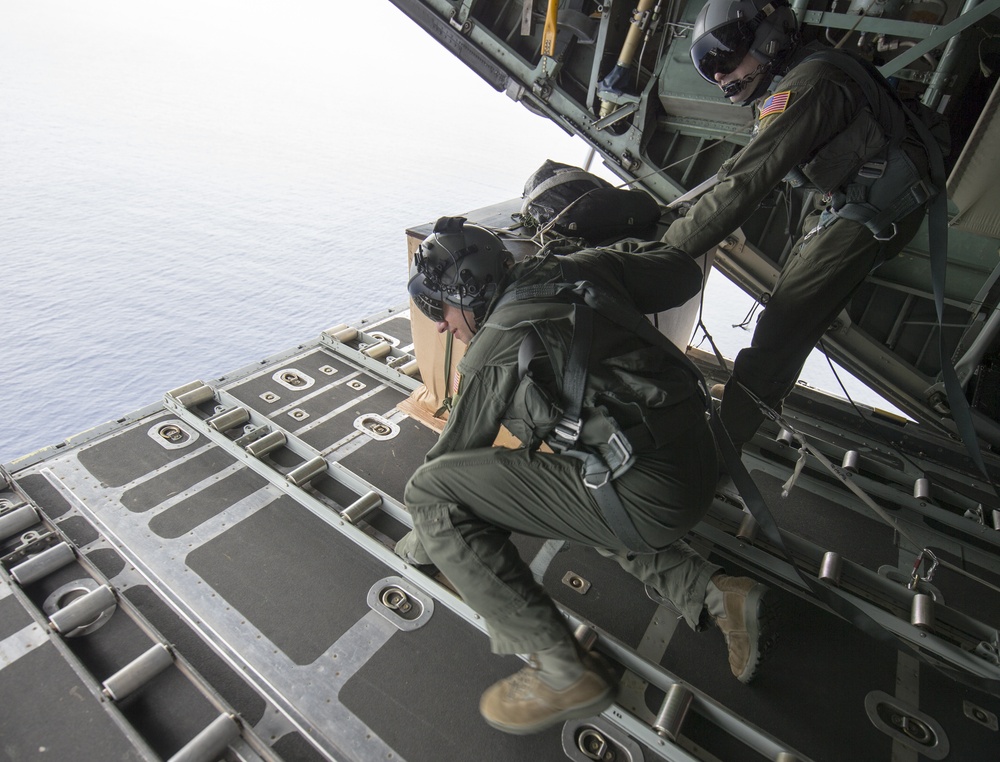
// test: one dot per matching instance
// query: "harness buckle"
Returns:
(922, 191)
(874, 169)
(882, 237)
(604, 474)
(566, 432)
(622, 450)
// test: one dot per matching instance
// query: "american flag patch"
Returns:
(775, 104)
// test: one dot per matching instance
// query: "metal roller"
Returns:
(409, 369)
(378, 351)
(83, 610)
(307, 471)
(362, 507)
(586, 636)
(180, 390)
(996, 519)
(748, 528)
(138, 672)
(922, 611)
(830, 568)
(851, 461)
(209, 744)
(787, 756)
(229, 419)
(922, 489)
(17, 521)
(342, 333)
(266, 444)
(786, 437)
(196, 396)
(43, 564)
(673, 711)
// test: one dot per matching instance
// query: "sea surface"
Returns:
(189, 187)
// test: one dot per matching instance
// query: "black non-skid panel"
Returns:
(13, 617)
(866, 540)
(294, 748)
(131, 454)
(155, 490)
(420, 694)
(397, 328)
(107, 561)
(950, 705)
(78, 530)
(332, 398)
(249, 391)
(46, 712)
(615, 601)
(296, 578)
(45, 496)
(333, 430)
(206, 503)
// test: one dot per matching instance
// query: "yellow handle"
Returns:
(549, 34)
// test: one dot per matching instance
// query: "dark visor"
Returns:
(721, 50)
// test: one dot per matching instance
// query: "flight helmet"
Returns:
(727, 30)
(457, 264)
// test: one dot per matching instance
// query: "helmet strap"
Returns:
(737, 85)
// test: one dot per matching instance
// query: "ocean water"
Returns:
(189, 187)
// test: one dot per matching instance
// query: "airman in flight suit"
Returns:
(814, 128)
(633, 467)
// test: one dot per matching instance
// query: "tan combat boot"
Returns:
(524, 703)
(744, 610)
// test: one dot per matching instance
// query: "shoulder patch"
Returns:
(775, 104)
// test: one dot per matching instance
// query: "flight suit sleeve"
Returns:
(653, 276)
(817, 109)
(489, 379)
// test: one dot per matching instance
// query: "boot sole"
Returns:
(595, 707)
(761, 628)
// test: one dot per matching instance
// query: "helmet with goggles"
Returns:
(726, 31)
(458, 264)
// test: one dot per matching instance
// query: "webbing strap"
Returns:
(575, 373)
(873, 86)
(597, 478)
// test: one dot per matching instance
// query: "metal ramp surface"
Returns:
(229, 556)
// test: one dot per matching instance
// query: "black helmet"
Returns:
(458, 264)
(727, 30)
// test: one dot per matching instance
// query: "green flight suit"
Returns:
(468, 497)
(818, 121)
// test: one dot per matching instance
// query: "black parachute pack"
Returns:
(578, 204)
